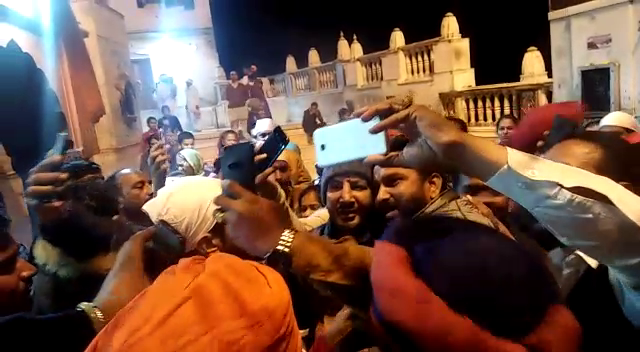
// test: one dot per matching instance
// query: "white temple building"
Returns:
(175, 39)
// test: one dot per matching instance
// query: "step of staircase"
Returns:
(207, 144)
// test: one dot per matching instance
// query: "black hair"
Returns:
(343, 114)
(5, 219)
(462, 126)
(515, 120)
(165, 107)
(185, 135)
(149, 138)
(82, 234)
(223, 136)
(314, 104)
(112, 183)
(309, 188)
(615, 161)
(151, 118)
(397, 143)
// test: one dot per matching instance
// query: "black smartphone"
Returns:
(272, 147)
(561, 129)
(169, 241)
(237, 164)
(166, 248)
(63, 143)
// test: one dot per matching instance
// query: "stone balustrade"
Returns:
(438, 71)
(484, 105)
(369, 69)
(327, 77)
(302, 81)
(418, 60)
(324, 77)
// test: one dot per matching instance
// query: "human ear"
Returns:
(435, 182)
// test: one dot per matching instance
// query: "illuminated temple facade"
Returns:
(173, 38)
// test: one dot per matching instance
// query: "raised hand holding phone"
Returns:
(348, 141)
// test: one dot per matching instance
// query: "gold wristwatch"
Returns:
(94, 313)
(281, 255)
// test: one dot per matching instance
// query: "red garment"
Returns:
(410, 305)
(539, 120)
(633, 138)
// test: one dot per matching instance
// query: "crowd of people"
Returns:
(449, 242)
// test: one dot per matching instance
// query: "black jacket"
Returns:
(68, 331)
(310, 123)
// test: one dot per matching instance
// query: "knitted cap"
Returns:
(352, 168)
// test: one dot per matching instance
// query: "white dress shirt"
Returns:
(610, 234)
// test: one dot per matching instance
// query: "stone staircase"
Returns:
(207, 144)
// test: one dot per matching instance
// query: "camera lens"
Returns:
(322, 147)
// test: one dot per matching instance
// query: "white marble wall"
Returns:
(155, 17)
(181, 55)
(570, 30)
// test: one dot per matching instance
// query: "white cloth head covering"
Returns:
(187, 205)
(194, 159)
(620, 119)
(263, 125)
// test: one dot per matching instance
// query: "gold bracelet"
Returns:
(94, 313)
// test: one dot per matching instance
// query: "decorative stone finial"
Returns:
(356, 48)
(450, 28)
(221, 74)
(291, 65)
(344, 52)
(314, 58)
(533, 67)
(397, 39)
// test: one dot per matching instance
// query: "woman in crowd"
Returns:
(505, 127)
(308, 201)
(189, 163)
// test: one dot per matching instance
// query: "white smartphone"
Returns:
(347, 141)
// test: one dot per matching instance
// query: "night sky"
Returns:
(263, 32)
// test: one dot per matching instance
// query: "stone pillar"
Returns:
(452, 56)
(340, 75)
(344, 52)
(393, 63)
(290, 64)
(358, 70)
(314, 58)
(108, 47)
(533, 67)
